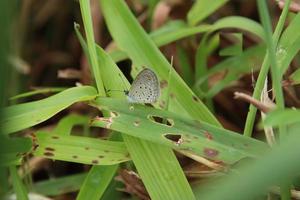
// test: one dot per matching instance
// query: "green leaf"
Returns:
(91, 46)
(279, 117)
(97, 181)
(202, 9)
(182, 134)
(39, 91)
(19, 188)
(21, 116)
(295, 77)
(80, 149)
(12, 149)
(58, 186)
(273, 168)
(65, 125)
(289, 45)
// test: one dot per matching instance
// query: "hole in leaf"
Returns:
(161, 120)
(176, 138)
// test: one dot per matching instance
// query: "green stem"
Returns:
(88, 27)
(276, 77)
(264, 72)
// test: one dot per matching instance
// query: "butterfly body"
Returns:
(145, 88)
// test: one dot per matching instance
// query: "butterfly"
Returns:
(145, 88)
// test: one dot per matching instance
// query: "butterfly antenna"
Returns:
(125, 90)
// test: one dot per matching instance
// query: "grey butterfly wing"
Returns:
(145, 88)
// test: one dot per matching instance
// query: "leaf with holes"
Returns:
(180, 133)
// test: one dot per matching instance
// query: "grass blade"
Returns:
(21, 116)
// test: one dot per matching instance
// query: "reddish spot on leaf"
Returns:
(211, 153)
(208, 135)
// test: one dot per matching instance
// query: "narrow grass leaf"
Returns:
(202, 9)
(97, 181)
(19, 188)
(25, 115)
(278, 117)
(80, 149)
(38, 91)
(53, 186)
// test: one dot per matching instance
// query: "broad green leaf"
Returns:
(25, 115)
(182, 133)
(80, 149)
(202, 9)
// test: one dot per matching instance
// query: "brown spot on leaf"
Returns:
(172, 95)
(211, 153)
(163, 84)
(87, 148)
(49, 149)
(208, 135)
(48, 154)
(106, 151)
(95, 161)
(74, 156)
(100, 156)
(55, 137)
